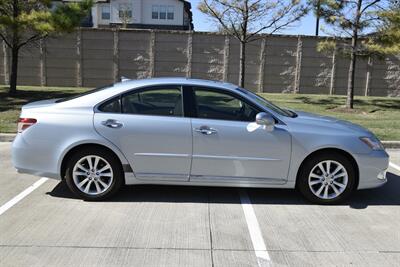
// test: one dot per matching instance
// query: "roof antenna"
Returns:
(124, 79)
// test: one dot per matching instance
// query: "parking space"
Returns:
(194, 226)
(11, 183)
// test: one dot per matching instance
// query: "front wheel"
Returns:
(327, 178)
(94, 174)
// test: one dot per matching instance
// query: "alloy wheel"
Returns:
(328, 179)
(92, 175)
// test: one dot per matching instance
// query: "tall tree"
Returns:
(316, 4)
(354, 19)
(246, 19)
(27, 21)
(386, 40)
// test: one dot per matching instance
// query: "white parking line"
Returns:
(394, 166)
(21, 195)
(260, 249)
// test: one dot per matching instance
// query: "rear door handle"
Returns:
(112, 124)
(206, 130)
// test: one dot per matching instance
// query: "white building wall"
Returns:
(95, 16)
(141, 12)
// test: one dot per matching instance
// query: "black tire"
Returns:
(113, 161)
(303, 177)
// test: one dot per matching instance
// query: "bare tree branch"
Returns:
(369, 5)
(5, 40)
(246, 19)
(33, 38)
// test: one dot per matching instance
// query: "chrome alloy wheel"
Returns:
(328, 179)
(92, 175)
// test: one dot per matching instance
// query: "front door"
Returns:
(229, 147)
(149, 128)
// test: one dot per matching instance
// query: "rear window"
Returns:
(111, 106)
(83, 94)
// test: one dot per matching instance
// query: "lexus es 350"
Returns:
(180, 131)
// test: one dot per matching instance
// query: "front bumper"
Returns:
(372, 169)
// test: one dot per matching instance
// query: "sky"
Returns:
(304, 27)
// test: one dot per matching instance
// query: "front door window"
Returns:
(222, 106)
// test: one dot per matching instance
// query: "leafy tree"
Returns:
(387, 39)
(355, 19)
(246, 19)
(26, 21)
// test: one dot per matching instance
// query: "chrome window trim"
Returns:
(182, 85)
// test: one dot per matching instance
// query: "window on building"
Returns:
(105, 12)
(124, 11)
(154, 12)
(163, 12)
(170, 13)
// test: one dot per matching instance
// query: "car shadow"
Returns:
(387, 195)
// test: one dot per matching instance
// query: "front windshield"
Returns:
(265, 103)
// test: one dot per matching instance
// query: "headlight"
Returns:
(373, 143)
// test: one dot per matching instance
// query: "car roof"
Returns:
(93, 98)
(132, 84)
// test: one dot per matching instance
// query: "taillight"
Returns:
(25, 123)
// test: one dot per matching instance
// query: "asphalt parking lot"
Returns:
(195, 226)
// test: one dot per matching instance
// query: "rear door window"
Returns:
(159, 101)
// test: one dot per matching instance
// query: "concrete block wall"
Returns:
(61, 61)
(291, 64)
(134, 55)
(171, 54)
(208, 57)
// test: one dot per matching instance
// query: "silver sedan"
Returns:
(193, 132)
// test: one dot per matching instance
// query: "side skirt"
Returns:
(130, 179)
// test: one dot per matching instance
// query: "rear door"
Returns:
(229, 147)
(149, 128)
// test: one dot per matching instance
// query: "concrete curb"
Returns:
(9, 137)
(391, 144)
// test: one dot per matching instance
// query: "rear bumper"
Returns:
(372, 169)
(32, 159)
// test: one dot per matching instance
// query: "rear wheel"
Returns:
(94, 174)
(327, 178)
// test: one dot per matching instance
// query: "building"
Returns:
(142, 14)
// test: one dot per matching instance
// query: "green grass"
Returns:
(10, 107)
(379, 114)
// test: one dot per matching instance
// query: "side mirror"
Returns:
(266, 120)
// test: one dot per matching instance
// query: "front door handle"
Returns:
(205, 130)
(112, 124)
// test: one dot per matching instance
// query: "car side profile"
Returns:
(179, 131)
